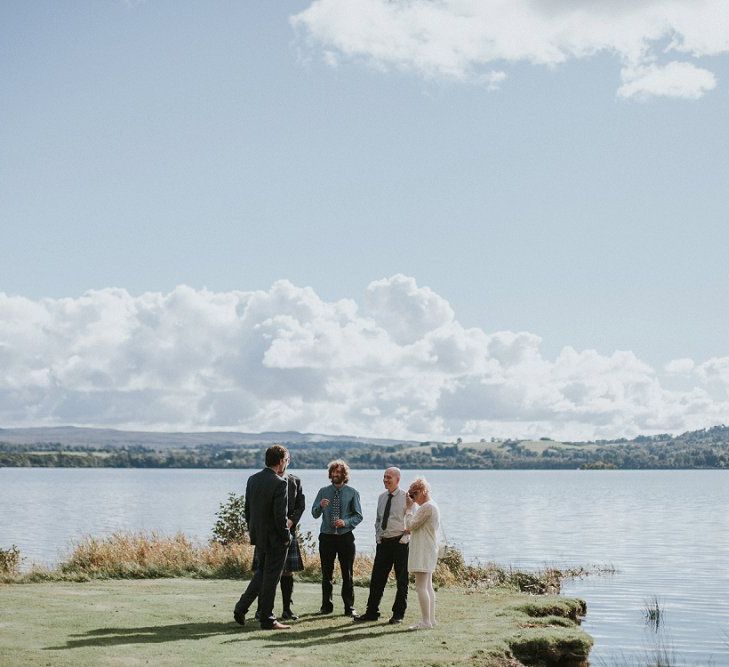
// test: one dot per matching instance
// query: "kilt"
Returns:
(294, 559)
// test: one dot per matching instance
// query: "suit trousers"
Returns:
(263, 584)
(341, 547)
(389, 554)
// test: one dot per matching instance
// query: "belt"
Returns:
(392, 539)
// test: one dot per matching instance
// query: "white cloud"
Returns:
(682, 366)
(405, 310)
(401, 365)
(676, 79)
(466, 40)
(715, 374)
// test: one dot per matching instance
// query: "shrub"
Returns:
(10, 560)
(230, 526)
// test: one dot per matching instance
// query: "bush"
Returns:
(10, 560)
(231, 526)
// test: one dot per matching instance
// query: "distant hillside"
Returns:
(706, 448)
(82, 447)
(72, 436)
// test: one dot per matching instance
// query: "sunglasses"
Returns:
(413, 494)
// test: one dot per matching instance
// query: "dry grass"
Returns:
(151, 556)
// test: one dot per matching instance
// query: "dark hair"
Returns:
(341, 465)
(275, 454)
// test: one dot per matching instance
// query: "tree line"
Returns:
(707, 448)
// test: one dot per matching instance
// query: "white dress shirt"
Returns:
(396, 520)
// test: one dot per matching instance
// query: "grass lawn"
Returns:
(189, 621)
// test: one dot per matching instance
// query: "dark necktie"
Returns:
(386, 513)
(336, 507)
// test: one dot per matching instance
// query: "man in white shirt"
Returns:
(392, 550)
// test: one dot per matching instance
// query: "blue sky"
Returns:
(559, 172)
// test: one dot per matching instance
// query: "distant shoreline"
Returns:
(97, 448)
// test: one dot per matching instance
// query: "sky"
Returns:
(409, 219)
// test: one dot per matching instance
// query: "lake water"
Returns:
(666, 533)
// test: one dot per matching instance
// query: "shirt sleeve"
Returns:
(378, 523)
(355, 517)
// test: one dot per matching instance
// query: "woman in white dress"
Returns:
(422, 525)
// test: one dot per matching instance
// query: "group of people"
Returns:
(406, 532)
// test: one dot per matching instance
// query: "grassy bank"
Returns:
(188, 621)
(152, 556)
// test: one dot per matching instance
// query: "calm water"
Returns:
(665, 532)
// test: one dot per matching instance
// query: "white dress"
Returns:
(423, 524)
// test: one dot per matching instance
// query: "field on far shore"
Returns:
(189, 621)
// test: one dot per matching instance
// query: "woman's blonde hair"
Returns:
(421, 484)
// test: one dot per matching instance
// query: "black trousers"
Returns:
(341, 547)
(263, 584)
(388, 555)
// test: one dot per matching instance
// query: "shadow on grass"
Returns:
(153, 634)
(301, 634)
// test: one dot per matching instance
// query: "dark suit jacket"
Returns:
(297, 502)
(266, 510)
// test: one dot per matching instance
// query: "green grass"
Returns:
(189, 621)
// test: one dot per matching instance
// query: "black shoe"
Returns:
(289, 615)
(364, 618)
(240, 619)
(258, 615)
(395, 620)
(325, 610)
(350, 612)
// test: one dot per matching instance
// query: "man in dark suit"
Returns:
(265, 511)
(294, 559)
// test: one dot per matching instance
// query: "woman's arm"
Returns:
(415, 521)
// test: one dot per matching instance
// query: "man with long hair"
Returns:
(339, 508)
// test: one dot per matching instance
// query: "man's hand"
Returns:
(339, 523)
(324, 502)
(289, 523)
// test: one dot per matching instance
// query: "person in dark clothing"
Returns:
(265, 512)
(294, 559)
